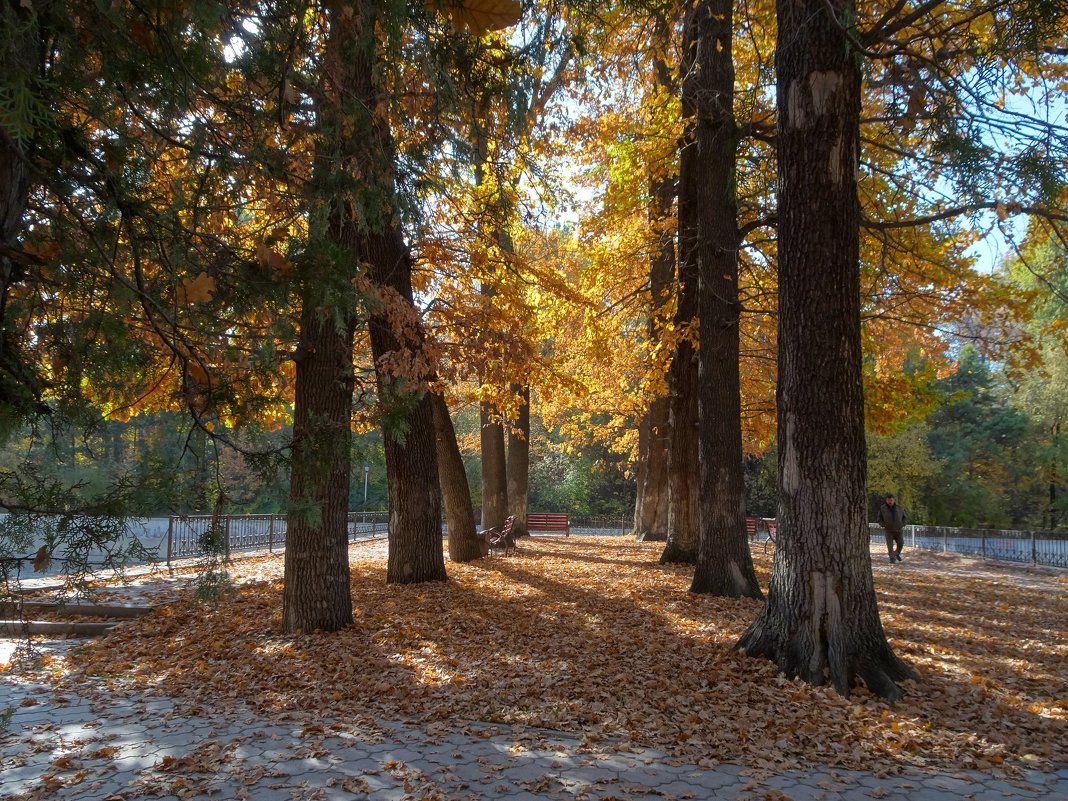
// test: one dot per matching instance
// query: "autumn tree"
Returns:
(724, 565)
(1040, 371)
(84, 221)
(821, 621)
(651, 505)
(683, 462)
(22, 55)
(363, 224)
(477, 237)
(634, 131)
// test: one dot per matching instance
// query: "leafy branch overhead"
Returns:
(479, 17)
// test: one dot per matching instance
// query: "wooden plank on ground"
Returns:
(54, 628)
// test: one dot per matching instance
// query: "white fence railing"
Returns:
(194, 535)
(1049, 548)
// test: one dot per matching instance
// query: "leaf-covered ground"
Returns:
(591, 635)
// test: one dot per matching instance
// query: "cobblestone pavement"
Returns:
(67, 747)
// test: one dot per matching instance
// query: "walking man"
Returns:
(892, 519)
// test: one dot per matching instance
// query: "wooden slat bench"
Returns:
(751, 524)
(549, 521)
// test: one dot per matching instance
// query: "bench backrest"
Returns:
(751, 526)
(548, 521)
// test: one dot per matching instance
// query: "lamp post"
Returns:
(366, 473)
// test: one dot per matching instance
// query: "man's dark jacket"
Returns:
(892, 518)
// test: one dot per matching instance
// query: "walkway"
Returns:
(67, 748)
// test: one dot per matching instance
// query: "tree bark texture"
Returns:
(365, 225)
(518, 457)
(821, 621)
(641, 471)
(316, 578)
(1054, 518)
(20, 55)
(651, 507)
(724, 562)
(455, 491)
(683, 451)
(494, 468)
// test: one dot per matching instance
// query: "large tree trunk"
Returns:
(519, 463)
(724, 562)
(455, 491)
(683, 452)
(415, 552)
(651, 508)
(362, 225)
(20, 56)
(316, 591)
(316, 580)
(1054, 518)
(641, 471)
(821, 621)
(494, 468)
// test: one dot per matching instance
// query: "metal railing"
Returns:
(1049, 548)
(195, 536)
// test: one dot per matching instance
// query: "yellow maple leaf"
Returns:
(196, 290)
(272, 260)
(482, 16)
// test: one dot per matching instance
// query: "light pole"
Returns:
(366, 472)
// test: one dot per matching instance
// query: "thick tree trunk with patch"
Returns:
(455, 491)
(724, 562)
(519, 462)
(821, 621)
(651, 508)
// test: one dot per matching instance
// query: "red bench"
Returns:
(751, 524)
(549, 521)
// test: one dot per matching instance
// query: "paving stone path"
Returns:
(87, 748)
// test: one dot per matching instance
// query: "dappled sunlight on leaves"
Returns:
(593, 636)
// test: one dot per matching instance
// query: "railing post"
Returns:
(945, 540)
(227, 524)
(984, 543)
(270, 533)
(1034, 549)
(170, 539)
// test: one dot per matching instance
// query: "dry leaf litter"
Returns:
(592, 636)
